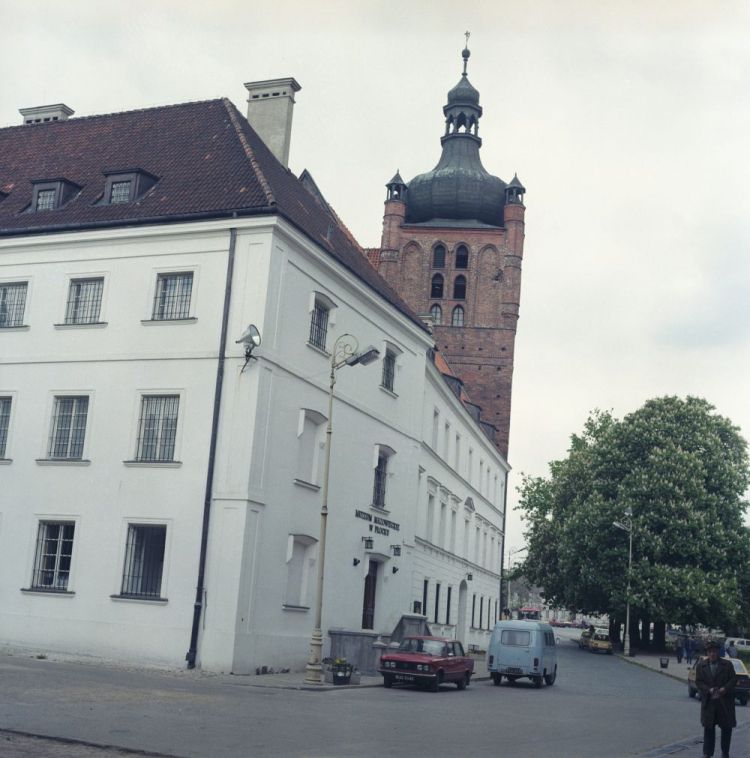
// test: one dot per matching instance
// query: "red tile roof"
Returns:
(210, 164)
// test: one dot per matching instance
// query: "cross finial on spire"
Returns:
(465, 54)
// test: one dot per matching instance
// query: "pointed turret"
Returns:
(396, 187)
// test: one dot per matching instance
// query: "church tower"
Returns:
(452, 247)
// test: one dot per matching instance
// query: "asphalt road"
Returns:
(600, 707)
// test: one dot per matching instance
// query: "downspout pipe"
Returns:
(199, 590)
(502, 554)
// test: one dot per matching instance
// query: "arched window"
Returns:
(438, 257)
(437, 287)
(458, 316)
(462, 257)
(459, 288)
(437, 314)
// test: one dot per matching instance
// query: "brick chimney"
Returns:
(270, 106)
(43, 113)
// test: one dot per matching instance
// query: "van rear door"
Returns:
(514, 651)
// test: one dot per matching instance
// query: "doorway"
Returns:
(461, 627)
(368, 606)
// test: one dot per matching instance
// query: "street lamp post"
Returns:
(511, 552)
(627, 526)
(344, 354)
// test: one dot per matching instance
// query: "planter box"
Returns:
(355, 678)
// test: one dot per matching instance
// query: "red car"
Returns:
(427, 661)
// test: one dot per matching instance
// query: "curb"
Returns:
(650, 668)
(325, 687)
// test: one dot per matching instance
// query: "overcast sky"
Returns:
(628, 122)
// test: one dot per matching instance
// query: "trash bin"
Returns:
(664, 662)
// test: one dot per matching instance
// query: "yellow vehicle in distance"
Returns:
(583, 640)
(600, 642)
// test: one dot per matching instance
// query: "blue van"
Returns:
(522, 649)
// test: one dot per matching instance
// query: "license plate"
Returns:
(404, 677)
(511, 670)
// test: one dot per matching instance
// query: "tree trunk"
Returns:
(645, 632)
(614, 629)
(660, 636)
(635, 634)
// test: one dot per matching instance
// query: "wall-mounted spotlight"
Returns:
(357, 561)
(368, 542)
(396, 550)
(469, 577)
(250, 339)
(368, 355)
(395, 569)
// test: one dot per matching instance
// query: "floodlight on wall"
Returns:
(396, 550)
(368, 542)
(368, 355)
(250, 339)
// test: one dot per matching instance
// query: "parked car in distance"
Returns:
(741, 688)
(583, 640)
(599, 642)
(522, 649)
(427, 661)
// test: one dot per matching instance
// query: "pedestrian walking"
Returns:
(715, 680)
(678, 648)
(732, 650)
(689, 648)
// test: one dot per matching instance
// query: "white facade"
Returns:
(266, 497)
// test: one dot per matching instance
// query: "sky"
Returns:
(626, 120)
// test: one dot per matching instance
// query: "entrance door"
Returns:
(368, 607)
(461, 629)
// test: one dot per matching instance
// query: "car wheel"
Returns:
(550, 678)
(743, 701)
(387, 682)
(691, 691)
(537, 681)
(435, 684)
(497, 679)
(463, 682)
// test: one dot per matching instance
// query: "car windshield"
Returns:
(415, 645)
(739, 667)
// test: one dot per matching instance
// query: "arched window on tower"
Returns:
(438, 257)
(459, 288)
(462, 257)
(461, 122)
(437, 287)
(437, 314)
(457, 319)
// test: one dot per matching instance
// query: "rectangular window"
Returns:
(144, 561)
(378, 490)
(442, 525)
(300, 553)
(458, 453)
(84, 301)
(473, 609)
(5, 403)
(45, 200)
(172, 299)
(513, 637)
(389, 370)
(54, 549)
(446, 440)
(430, 518)
(12, 303)
(120, 192)
(448, 607)
(453, 532)
(425, 590)
(68, 428)
(157, 428)
(319, 326)
(437, 601)
(435, 429)
(481, 611)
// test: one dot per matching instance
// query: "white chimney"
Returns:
(43, 113)
(270, 106)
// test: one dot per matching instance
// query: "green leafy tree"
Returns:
(683, 470)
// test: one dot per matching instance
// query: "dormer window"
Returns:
(51, 194)
(127, 186)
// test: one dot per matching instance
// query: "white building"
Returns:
(142, 454)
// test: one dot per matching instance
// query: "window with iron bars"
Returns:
(157, 428)
(319, 326)
(84, 301)
(5, 403)
(120, 192)
(54, 550)
(172, 299)
(45, 200)
(389, 370)
(68, 428)
(381, 472)
(12, 303)
(144, 561)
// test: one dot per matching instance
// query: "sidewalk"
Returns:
(674, 670)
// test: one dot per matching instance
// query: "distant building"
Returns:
(452, 246)
(143, 454)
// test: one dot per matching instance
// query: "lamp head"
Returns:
(250, 338)
(368, 355)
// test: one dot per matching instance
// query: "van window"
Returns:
(515, 637)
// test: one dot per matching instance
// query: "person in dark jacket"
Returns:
(678, 648)
(715, 680)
